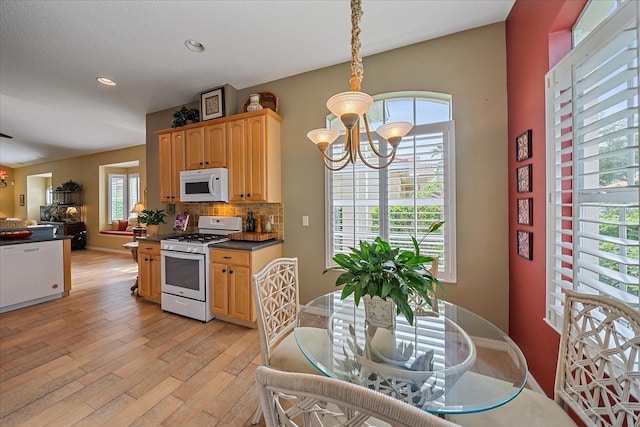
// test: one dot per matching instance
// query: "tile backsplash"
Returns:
(261, 212)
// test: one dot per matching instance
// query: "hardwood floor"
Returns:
(102, 356)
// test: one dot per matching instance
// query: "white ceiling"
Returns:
(52, 51)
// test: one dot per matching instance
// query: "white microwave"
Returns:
(204, 185)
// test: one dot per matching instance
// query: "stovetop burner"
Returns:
(199, 238)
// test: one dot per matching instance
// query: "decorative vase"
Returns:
(379, 312)
(152, 229)
(254, 103)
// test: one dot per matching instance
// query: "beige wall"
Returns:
(471, 66)
(8, 196)
(85, 170)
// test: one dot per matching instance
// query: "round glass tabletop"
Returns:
(450, 361)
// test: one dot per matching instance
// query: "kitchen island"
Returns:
(33, 269)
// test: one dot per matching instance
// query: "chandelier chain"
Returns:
(357, 69)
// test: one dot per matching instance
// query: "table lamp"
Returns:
(71, 212)
(137, 208)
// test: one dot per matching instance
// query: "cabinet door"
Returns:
(156, 279)
(256, 160)
(177, 163)
(219, 301)
(194, 149)
(215, 146)
(145, 274)
(240, 295)
(237, 162)
(164, 152)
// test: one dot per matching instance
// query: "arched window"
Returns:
(400, 201)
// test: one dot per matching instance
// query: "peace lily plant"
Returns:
(377, 269)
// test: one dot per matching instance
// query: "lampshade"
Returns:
(137, 208)
(322, 137)
(351, 102)
(3, 174)
(394, 132)
(71, 210)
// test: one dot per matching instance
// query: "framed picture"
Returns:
(525, 211)
(523, 175)
(523, 146)
(21, 200)
(525, 244)
(212, 104)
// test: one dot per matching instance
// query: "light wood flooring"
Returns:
(102, 356)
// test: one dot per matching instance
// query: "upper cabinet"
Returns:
(172, 161)
(248, 144)
(254, 159)
(206, 147)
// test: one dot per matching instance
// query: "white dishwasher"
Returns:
(30, 273)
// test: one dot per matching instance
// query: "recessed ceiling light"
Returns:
(194, 45)
(105, 81)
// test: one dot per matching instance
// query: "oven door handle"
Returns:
(181, 255)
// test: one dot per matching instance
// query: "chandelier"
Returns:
(351, 107)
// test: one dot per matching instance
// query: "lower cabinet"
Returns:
(149, 270)
(230, 274)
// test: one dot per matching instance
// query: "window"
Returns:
(117, 197)
(592, 167)
(400, 201)
(134, 191)
(124, 192)
(592, 16)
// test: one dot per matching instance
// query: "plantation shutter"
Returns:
(592, 167)
(400, 201)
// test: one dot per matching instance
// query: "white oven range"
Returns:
(184, 266)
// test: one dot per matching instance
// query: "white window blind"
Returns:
(402, 200)
(134, 190)
(117, 197)
(592, 167)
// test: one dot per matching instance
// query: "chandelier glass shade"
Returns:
(351, 107)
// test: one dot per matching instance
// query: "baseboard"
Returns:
(533, 384)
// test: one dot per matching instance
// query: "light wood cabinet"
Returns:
(149, 280)
(248, 144)
(254, 159)
(206, 147)
(172, 161)
(230, 274)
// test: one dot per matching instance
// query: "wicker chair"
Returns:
(309, 400)
(597, 376)
(275, 289)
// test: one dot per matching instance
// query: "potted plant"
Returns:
(376, 269)
(152, 219)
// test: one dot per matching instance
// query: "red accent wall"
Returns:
(538, 35)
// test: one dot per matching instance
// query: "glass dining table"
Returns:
(450, 361)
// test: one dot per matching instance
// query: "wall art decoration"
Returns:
(525, 211)
(21, 200)
(523, 146)
(523, 175)
(212, 104)
(525, 244)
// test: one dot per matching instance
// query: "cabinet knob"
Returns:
(200, 163)
(248, 195)
(242, 195)
(224, 271)
(206, 163)
(226, 257)
(230, 271)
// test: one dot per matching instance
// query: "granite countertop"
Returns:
(237, 245)
(32, 239)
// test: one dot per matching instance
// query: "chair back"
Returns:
(312, 400)
(275, 290)
(598, 362)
